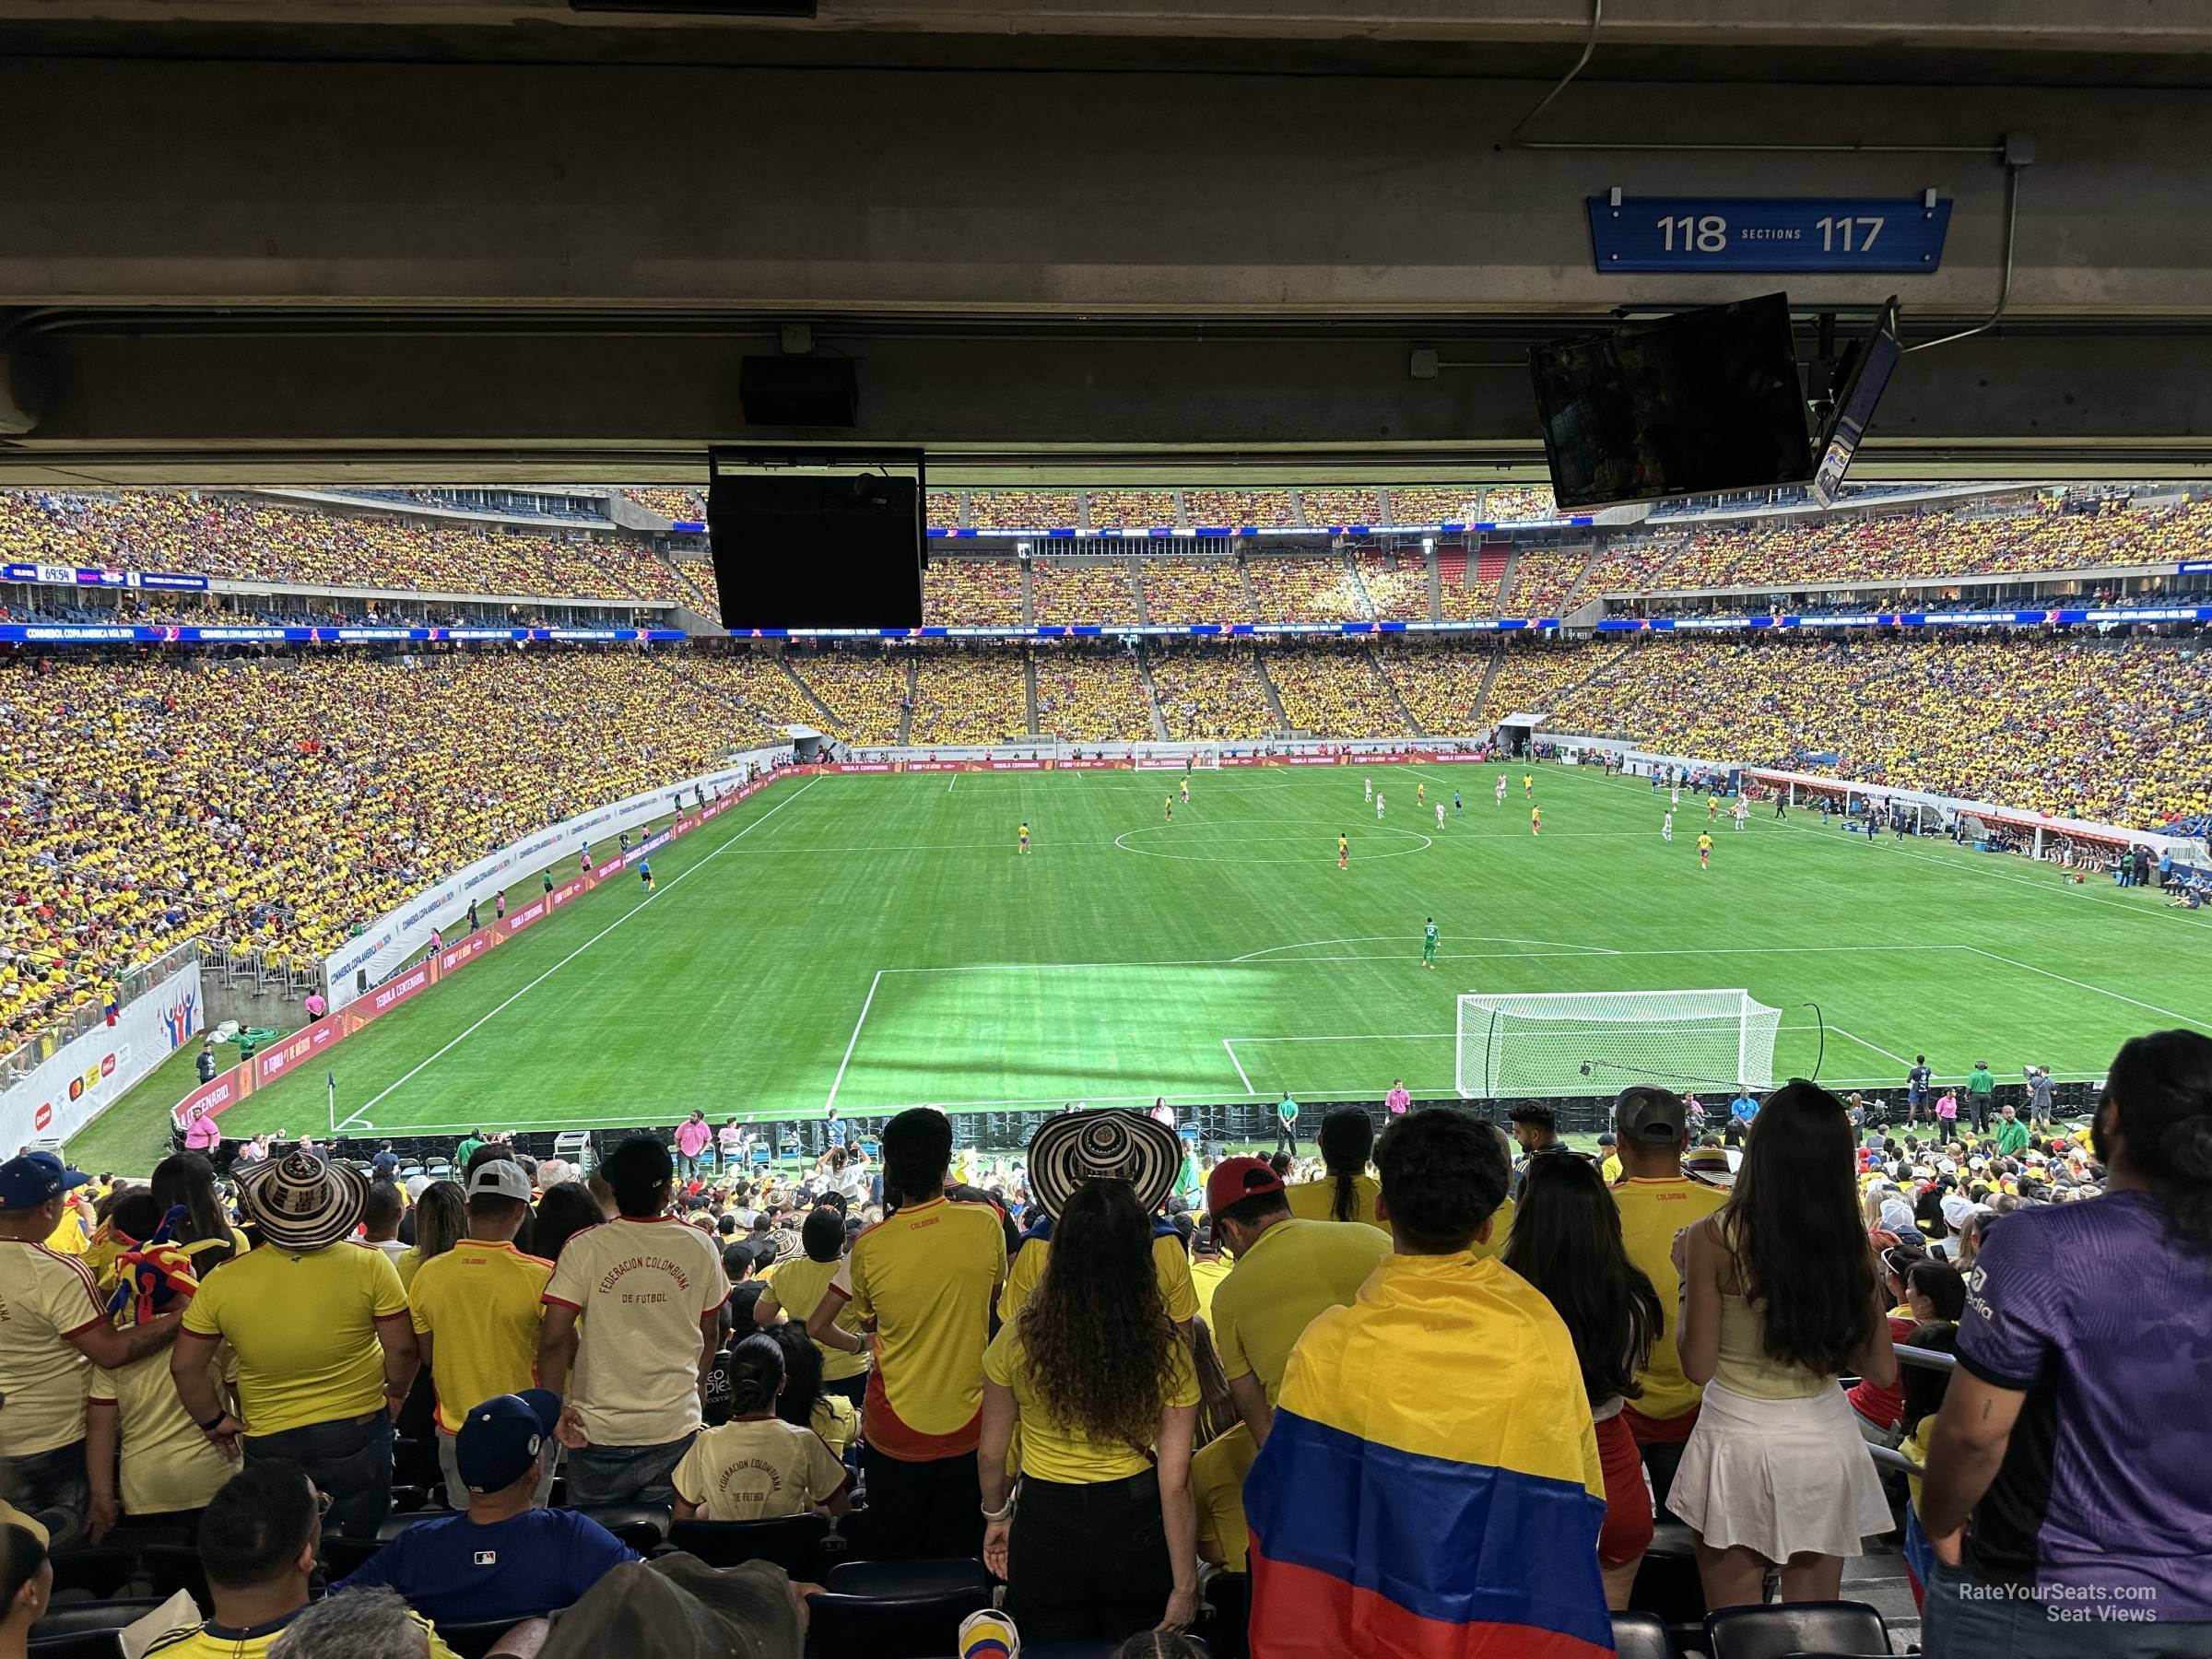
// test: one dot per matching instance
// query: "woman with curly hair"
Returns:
(1102, 1540)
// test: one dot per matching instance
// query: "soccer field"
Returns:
(877, 942)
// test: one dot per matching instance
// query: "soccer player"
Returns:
(645, 874)
(1667, 825)
(1458, 805)
(1712, 808)
(1535, 820)
(1704, 849)
(1023, 836)
(1501, 789)
(1186, 791)
(1378, 806)
(1428, 944)
(1420, 795)
(1344, 851)
(1439, 815)
(1170, 809)
(1367, 789)
(1678, 797)
(1528, 786)
(1743, 812)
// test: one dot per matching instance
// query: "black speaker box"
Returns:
(798, 391)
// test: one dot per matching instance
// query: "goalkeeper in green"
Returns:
(1428, 944)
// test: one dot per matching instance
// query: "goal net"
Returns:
(1598, 1043)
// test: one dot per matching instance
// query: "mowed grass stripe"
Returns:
(741, 991)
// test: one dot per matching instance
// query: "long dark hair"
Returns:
(1348, 1138)
(1565, 1241)
(801, 1372)
(1793, 1226)
(2160, 1092)
(755, 1371)
(1099, 1343)
(187, 1178)
(564, 1210)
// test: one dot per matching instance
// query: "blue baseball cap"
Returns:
(29, 1181)
(503, 1439)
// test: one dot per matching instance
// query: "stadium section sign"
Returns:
(90, 1073)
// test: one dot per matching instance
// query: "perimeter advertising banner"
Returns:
(90, 1073)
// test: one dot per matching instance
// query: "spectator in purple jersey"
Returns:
(2068, 1496)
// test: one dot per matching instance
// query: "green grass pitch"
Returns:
(876, 941)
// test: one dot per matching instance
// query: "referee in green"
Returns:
(1428, 945)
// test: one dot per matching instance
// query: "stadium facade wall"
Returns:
(394, 936)
(92, 1071)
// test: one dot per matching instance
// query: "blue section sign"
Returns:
(1768, 233)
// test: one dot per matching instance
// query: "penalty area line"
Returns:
(839, 1081)
(1237, 1063)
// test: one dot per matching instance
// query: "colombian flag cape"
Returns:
(1430, 1489)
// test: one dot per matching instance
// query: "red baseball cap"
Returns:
(1237, 1178)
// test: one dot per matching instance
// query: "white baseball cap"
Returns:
(500, 1177)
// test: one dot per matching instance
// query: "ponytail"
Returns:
(1347, 1138)
(754, 1370)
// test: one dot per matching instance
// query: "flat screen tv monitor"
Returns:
(1860, 384)
(832, 545)
(1693, 403)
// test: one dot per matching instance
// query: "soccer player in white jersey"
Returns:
(1667, 825)
(1367, 789)
(1501, 789)
(1743, 811)
(1439, 815)
(1378, 806)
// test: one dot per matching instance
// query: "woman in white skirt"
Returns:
(1778, 1301)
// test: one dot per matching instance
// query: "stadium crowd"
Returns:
(1420, 1395)
(276, 803)
(260, 538)
(974, 696)
(1091, 695)
(1306, 590)
(1194, 591)
(1082, 590)
(2108, 730)
(1332, 688)
(1396, 585)
(1210, 693)
(978, 593)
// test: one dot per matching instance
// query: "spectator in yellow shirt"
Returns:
(1348, 1192)
(477, 1311)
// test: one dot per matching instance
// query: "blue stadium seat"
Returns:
(80, 1617)
(1787, 1628)
(84, 1644)
(906, 1626)
(94, 1571)
(640, 1525)
(173, 1567)
(1641, 1636)
(899, 1580)
(793, 1542)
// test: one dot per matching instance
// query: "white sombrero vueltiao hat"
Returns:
(303, 1203)
(1078, 1147)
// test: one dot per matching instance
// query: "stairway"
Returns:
(829, 722)
(913, 688)
(1389, 685)
(1367, 600)
(1144, 673)
(1274, 703)
(1251, 599)
(1491, 564)
(1506, 580)
(1573, 595)
(1482, 694)
(1029, 692)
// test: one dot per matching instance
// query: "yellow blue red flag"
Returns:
(1431, 1487)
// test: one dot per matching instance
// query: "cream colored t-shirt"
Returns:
(167, 1463)
(640, 1288)
(756, 1470)
(45, 1297)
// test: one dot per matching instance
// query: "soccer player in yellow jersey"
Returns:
(1170, 809)
(1528, 784)
(1704, 850)
(1025, 837)
(1186, 791)
(1535, 820)
(1344, 851)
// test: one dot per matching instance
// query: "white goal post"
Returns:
(1598, 1043)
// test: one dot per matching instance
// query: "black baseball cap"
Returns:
(1650, 1114)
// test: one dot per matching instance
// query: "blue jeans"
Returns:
(1967, 1617)
(351, 1461)
(600, 1475)
(53, 1487)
